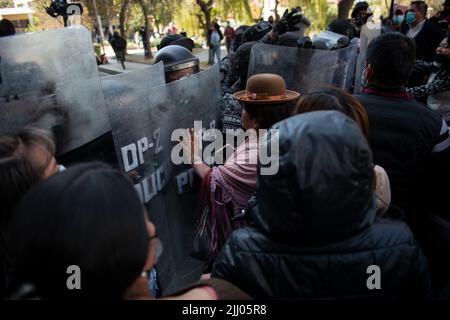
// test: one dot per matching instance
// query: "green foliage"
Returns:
(187, 13)
(240, 10)
(185, 17)
(6, 4)
(97, 49)
(317, 11)
(135, 17)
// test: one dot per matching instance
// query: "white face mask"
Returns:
(61, 168)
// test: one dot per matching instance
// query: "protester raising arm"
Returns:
(288, 22)
(435, 86)
(190, 144)
(439, 79)
(227, 188)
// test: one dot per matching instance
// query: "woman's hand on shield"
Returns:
(191, 146)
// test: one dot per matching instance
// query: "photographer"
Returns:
(360, 14)
(437, 88)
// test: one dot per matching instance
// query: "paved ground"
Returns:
(138, 55)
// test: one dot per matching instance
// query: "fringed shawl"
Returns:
(227, 190)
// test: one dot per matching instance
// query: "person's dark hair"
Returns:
(421, 6)
(335, 99)
(339, 100)
(363, 5)
(267, 115)
(317, 102)
(89, 216)
(392, 57)
(6, 28)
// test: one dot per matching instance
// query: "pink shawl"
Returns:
(228, 191)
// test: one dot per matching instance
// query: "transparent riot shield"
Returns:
(305, 69)
(120, 89)
(142, 124)
(49, 79)
(369, 31)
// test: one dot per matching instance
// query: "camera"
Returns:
(64, 9)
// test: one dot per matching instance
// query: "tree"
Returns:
(344, 7)
(317, 11)
(123, 17)
(145, 6)
(206, 8)
(239, 9)
(275, 10)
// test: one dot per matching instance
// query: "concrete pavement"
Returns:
(115, 67)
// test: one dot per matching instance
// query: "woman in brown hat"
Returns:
(226, 189)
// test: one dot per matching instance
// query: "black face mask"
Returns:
(442, 58)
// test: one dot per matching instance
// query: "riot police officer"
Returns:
(178, 62)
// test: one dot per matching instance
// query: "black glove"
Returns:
(304, 42)
(288, 22)
(51, 12)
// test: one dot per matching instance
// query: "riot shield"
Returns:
(119, 89)
(369, 32)
(142, 125)
(305, 69)
(49, 79)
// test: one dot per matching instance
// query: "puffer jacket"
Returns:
(315, 233)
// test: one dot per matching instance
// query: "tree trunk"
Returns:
(344, 7)
(123, 18)
(206, 8)
(145, 12)
(275, 11)
(261, 10)
(158, 28)
(248, 11)
(391, 10)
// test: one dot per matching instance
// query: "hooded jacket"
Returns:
(316, 234)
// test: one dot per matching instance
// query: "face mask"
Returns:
(363, 78)
(410, 17)
(398, 19)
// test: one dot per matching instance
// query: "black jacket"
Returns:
(427, 40)
(315, 231)
(411, 142)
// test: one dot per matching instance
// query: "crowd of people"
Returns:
(362, 181)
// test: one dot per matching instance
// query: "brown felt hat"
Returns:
(266, 88)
